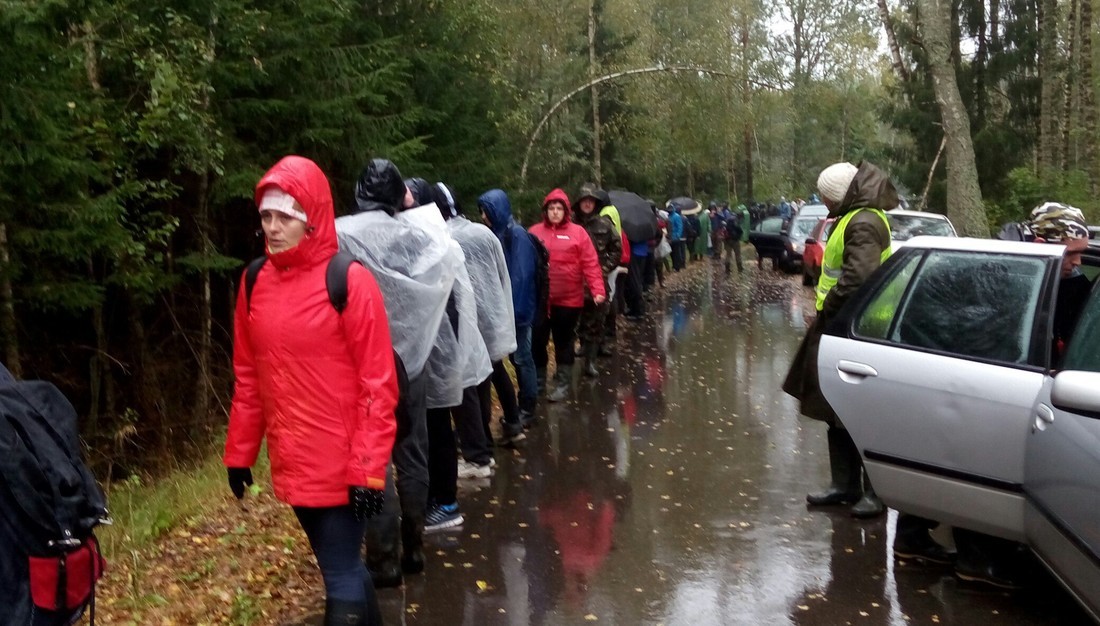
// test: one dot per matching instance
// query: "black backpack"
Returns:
(1015, 231)
(336, 279)
(691, 226)
(49, 505)
(542, 280)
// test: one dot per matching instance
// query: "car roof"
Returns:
(906, 213)
(972, 244)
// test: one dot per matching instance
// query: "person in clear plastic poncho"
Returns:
(469, 366)
(495, 313)
(416, 278)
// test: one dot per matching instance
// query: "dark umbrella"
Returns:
(638, 219)
(686, 205)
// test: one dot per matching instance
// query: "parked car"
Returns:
(813, 210)
(941, 368)
(814, 251)
(904, 225)
(783, 245)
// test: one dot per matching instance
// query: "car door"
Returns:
(934, 371)
(1062, 466)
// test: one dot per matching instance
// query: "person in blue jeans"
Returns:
(521, 258)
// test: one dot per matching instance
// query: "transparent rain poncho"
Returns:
(453, 364)
(414, 274)
(492, 287)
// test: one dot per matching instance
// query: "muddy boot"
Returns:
(561, 386)
(339, 612)
(412, 543)
(590, 353)
(540, 379)
(869, 505)
(844, 487)
(382, 560)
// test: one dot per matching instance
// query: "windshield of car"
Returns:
(1084, 348)
(905, 227)
(802, 227)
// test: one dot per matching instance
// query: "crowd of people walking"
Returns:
(367, 349)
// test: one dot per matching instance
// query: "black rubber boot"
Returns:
(590, 361)
(561, 386)
(844, 487)
(382, 546)
(869, 505)
(412, 543)
(341, 612)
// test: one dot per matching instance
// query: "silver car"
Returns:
(941, 369)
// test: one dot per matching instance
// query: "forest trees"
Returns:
(135, 131)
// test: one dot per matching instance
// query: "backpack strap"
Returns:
(250, 274)
(336, 279)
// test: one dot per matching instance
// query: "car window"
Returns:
(801, 227)
(1084, 348)
(876, 318)
(905, 227)
(964, 303)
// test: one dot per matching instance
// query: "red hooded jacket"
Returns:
(573, 260)
(320, 385)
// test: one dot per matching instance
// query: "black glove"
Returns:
(365, 502)
(238, 478)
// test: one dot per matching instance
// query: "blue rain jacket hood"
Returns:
(519, 253)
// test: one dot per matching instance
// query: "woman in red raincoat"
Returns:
(320, 384)
(574, 265)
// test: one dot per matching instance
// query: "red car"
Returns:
(815, 251)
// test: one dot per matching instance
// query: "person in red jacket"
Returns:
(574, 265)
(319, 384)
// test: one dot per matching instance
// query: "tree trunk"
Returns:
(981, 57)
(203, 386)
(593, 72)
(746, 104)
(7, 318)
(1069, 88)
(1088, 99)
(964, 196)
(1048, 25)
(892, 40)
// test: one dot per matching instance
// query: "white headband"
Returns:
(276, 199)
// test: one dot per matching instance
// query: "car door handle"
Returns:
(1043, 415)
(858, 371)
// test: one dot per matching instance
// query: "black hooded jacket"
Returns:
(380, 188)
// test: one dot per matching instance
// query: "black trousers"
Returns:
(506, 393)
(562, 325)
(635, 304)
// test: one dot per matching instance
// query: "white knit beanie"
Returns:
(833, 182)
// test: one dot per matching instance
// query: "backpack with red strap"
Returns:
(49, 506)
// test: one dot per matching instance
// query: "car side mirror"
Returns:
(1078, 392)
(784, 232)
(810, 240)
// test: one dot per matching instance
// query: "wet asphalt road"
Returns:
(671, 491)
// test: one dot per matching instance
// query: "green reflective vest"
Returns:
(834, 255)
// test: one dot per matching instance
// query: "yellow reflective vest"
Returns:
(833, 259)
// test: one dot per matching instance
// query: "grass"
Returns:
(144, 510)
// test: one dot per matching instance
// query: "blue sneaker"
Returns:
(442, 517)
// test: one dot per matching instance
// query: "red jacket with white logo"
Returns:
(319, 384)
(573, 260)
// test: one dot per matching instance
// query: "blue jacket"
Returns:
(519, 253)
(676, 226)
